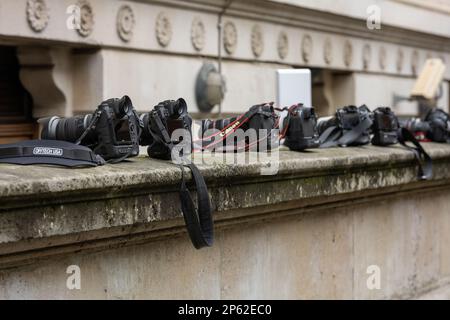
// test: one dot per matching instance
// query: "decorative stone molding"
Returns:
(382, 57)
(254, 27)
(230, 37)
(198, 34)
(125, 23)
(366, 56)
(348, 53)
(257, 41)
(86, 18)
(307, 47)
(414, 61)
(163, 29)
(38, 15)
(283, 45)
(400, 58)
(328, 51)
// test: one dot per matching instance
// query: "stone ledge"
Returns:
(46, 211)
(19, 181)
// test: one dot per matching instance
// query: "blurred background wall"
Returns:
(62, 57)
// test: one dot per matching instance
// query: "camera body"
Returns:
(385, 127)
(261, 118)
(159, 125)
(301, 128)
(112, 131)
(435, 126)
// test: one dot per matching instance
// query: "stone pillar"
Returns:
(46, 73)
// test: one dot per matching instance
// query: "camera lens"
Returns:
(48, 126)
(66, 129)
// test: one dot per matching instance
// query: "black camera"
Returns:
(159, 126)
(435, 126)
(112, 131)
(300, 128)
(350, 127)
(166, 142)
(261, 118)
(385, 127)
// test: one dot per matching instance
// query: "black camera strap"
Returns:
(91, 125)
(426, 170)
(199, 223)
(336, 136)
(352, 135)
(329, 137)
(53, 152)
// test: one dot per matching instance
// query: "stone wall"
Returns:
(159, 47)
(310, 231)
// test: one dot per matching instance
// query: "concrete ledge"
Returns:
(46, 211)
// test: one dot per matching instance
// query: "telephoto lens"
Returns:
(415, 125)
(219, 124)
(66, 129)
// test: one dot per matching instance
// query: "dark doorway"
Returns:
(16, 121)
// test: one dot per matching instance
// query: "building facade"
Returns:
(62, 57)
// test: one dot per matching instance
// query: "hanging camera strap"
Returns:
(199, 223)
(425, 170)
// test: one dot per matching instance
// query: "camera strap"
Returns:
(199, 223)
(336, 136)
(425, 171)
(53, 152)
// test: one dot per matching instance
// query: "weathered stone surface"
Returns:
(310, 231)
(16, 181)
(40, 202)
